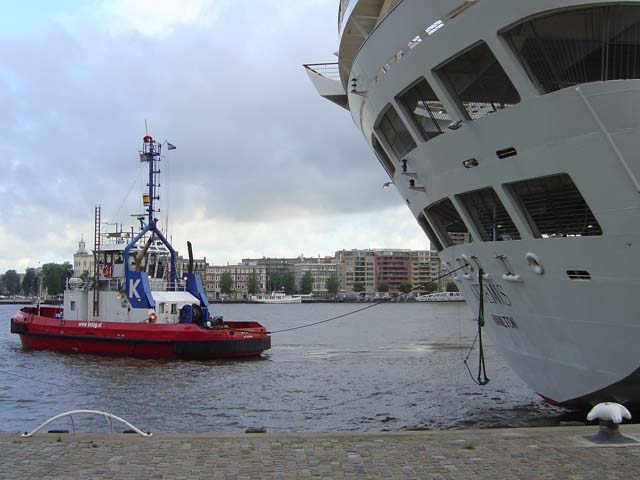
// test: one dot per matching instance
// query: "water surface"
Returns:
(394, 366)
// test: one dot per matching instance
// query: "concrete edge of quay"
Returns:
(547, 433)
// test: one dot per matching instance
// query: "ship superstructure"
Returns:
(510, 128)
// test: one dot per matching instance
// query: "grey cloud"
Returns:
(254, 140)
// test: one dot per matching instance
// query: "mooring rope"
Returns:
(375, 304)
(481, 378)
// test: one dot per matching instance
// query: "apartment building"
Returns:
(320, 270)
(356, 266)
(425, 268)
(393, 267)
(240, 275)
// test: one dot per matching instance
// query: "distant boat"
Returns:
(441, 297)
(276, 297)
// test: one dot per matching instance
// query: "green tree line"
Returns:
(52, 278)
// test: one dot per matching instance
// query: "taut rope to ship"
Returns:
(422, 284)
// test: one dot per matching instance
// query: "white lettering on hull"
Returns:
(90, 324)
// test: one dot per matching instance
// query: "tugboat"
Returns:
(136, 304)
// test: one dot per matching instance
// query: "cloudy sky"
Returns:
(263, 166)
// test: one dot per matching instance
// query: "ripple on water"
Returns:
(353, 374)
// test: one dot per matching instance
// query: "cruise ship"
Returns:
(511, 128)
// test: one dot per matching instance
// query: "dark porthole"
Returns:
(489, 216)
(478, 82)
(570, 47)
(555, 208)
(394, 132)
(446, 219)
(428, 114)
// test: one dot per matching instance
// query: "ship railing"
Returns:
(328, 70)
(112, 284)
(117, 284)
(159, 284)
(108, 416)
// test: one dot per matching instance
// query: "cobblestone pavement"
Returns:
(532, 453)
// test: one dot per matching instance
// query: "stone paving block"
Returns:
(559, 452)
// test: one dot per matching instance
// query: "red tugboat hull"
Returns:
(40, 330)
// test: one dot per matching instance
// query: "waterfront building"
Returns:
(425, 268)
(82, 260)
(274, 265)
(240, 275)
(356, 266)
(320, 269)
(393, 267)
(199, 266)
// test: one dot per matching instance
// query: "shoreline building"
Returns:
(393, 267)
(277, 265)
(240, 275)
(425, 268)
(356, 266)
(321, 269)
(199, 266)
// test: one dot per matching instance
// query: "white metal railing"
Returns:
(117, 284)
(158, 284)
(108, 416)
(328, 70)
(441, 297)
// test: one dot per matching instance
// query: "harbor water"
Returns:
(390, 367)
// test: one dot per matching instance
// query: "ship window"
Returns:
(383, 158)
(422, 220)
(391, 128)
(161, 308)
(489, 216)
(555, 207)
(478, 82)
(446, 219)
(425, 108)
(568, 48)
(174, 308)
(72, 306)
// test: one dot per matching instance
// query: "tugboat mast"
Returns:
(151, 152)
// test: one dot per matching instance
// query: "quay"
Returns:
(522, 453)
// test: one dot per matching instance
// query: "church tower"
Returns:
(82, 260)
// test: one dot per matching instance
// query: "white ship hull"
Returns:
(561, 308)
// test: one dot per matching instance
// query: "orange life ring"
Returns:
(153, 318)
(106, 270)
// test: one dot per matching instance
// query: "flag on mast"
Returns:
(170, 146)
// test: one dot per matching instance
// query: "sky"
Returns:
(263, 165)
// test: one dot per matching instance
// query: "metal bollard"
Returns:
(610, 415)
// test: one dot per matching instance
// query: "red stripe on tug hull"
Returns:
(139, 339)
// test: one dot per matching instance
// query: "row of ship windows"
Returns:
(552, 207)
(558, 50)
